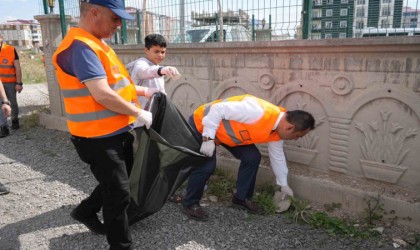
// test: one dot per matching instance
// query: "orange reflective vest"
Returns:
(85, 116)
(7, 67)
(233, 133)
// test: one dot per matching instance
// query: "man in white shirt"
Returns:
(238, 123)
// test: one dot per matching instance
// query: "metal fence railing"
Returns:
(185, 21)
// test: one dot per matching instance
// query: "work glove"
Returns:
(207, 148)
(150, 91)
(145, 117)
(286, 191)
(169, 71)
(280, 202)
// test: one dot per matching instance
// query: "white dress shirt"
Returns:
(247, 111)
(144, 73)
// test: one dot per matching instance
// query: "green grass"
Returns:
(300, 212)
(33, 70)
(30, 121)
(222, 185)
(264, 198)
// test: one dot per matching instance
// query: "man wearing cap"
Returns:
(11, 76)
(238, 123)
(101, 106)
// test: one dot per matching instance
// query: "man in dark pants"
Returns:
(238, 123)
(99, 100)
(11, 76)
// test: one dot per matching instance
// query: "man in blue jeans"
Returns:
(238, 123)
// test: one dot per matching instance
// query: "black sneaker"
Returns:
(15, 124)
(92, 223)
(4, 131)
(247, 205)
(3, 189)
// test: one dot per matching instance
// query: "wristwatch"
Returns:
(206, 138)
(5, 102)
(19, 83)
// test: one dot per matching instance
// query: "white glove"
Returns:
(281, 203)
(150, 91)
(207, 148)
(286, 191)
(145, 117)
(169, 71)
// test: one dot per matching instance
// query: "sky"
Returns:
(26, 9)
(19, 9)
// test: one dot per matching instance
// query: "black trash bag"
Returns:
(166, 154)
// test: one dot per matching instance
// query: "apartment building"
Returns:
(348, 18)
(23, 34)
(410, 18)
(331, 19)
(376, 14)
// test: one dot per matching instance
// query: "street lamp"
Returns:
(51, 5)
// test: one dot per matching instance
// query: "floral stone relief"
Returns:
(383, 148)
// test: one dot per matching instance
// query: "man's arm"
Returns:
(16, 64)
(246, 111)
(4, 107)
(278, 162)
(279, 166)
(142, 70)
(108, 98)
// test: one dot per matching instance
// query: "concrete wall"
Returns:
(363, 93)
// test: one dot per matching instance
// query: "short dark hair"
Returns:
(302, 120)
(154, 40)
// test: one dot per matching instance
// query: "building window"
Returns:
(386, 11)
(360, 25)
(329, 12)
(386, 1)
(330, 1)
(316, 36)
(328, 25)
(343, 12)
(360, 12)
(360, 2)
(344, 1)
(385, 23)
(342, 35)
(317, 2)
(343, 24)
(316, 25)
(328, 36)
(317, 13)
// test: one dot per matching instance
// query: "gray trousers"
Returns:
(11, 96)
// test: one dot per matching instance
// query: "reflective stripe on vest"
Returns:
(69, 93)
(233, 133)
(85, 116)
